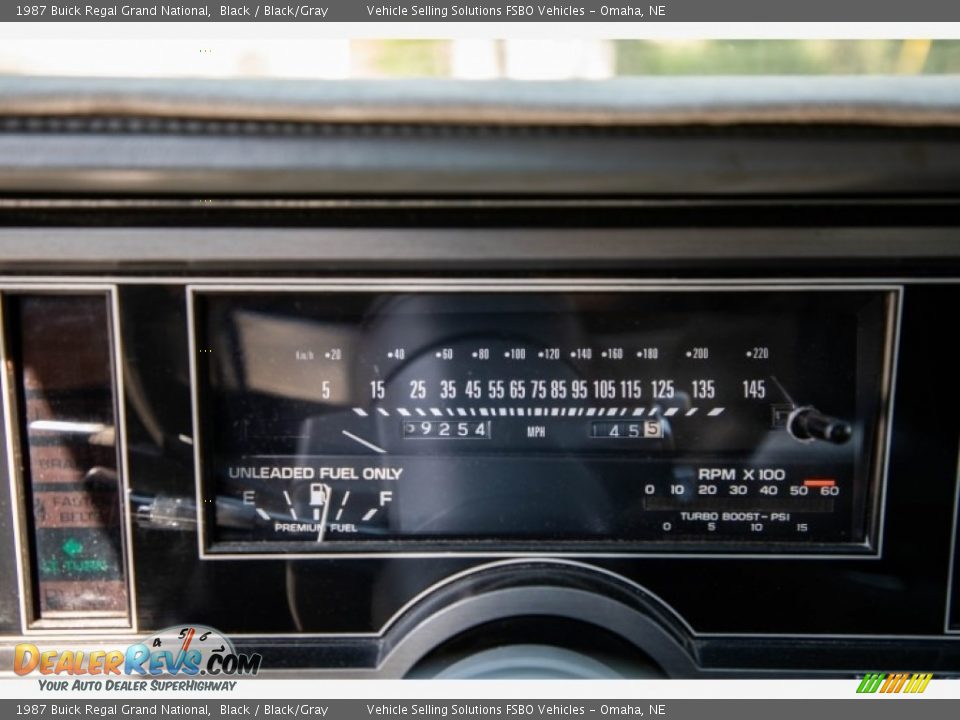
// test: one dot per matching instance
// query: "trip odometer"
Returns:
(682, 419)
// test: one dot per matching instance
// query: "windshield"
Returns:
(473, 58)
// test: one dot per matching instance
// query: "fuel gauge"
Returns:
(317, 503)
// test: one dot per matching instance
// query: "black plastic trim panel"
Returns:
(104, 156)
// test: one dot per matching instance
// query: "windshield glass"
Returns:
(474, 58)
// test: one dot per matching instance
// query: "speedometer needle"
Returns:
(365, 443)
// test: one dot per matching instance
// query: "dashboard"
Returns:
(679, 398)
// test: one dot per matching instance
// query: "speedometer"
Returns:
(525, 419)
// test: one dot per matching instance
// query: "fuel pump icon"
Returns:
(319, 494)
(319, 498)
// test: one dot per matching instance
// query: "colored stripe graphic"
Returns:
(186, 641)
(870, 682)
(893, 683)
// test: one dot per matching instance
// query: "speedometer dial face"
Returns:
(688, 420)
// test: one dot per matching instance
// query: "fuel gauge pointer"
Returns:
(807, 424)
(321, 495)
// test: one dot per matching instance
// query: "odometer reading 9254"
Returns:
(715, 420)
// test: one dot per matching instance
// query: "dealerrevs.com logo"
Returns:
(185, 650)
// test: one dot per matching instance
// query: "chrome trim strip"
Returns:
(356, 283)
